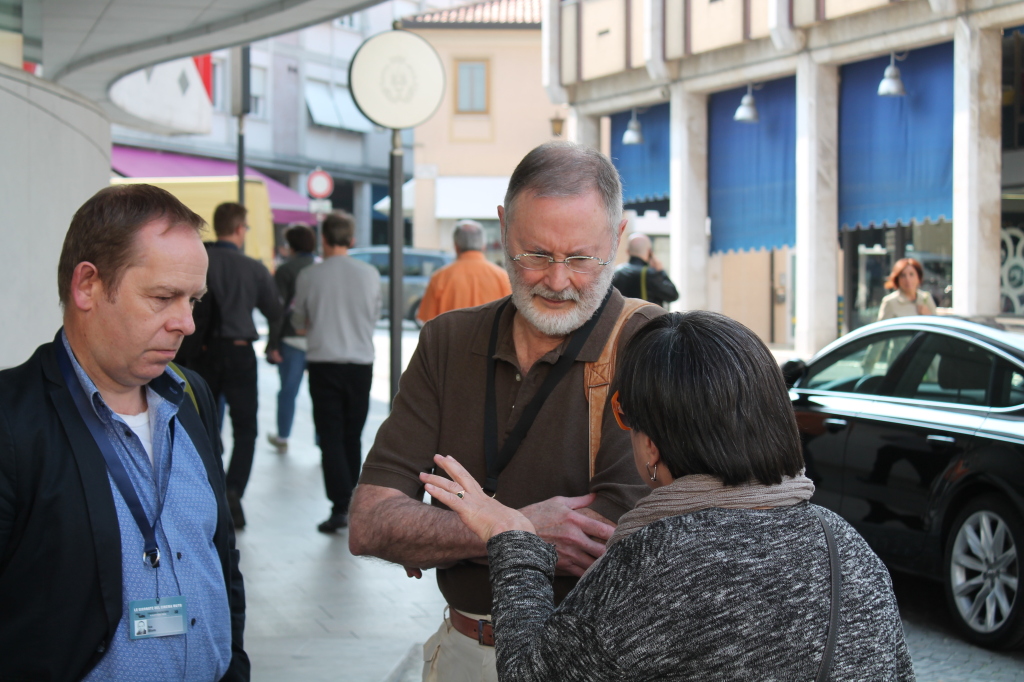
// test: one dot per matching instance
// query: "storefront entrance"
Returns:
(868, 257)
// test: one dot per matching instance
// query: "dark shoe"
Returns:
(235, 507)
(335, 523)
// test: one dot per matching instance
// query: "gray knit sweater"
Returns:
(719, 594)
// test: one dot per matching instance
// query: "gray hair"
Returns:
(468, 236)
(566, 169)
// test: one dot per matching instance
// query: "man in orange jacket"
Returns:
(470, 281)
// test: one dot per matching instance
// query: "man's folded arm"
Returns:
(387, 523)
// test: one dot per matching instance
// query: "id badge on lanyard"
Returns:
(160, 616)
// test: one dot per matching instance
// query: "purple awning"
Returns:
(287, 205)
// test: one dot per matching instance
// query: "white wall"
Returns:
(56, 154)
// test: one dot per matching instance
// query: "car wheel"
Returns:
(982, 570)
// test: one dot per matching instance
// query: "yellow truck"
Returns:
(204, 194)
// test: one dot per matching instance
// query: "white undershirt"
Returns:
(139, 423)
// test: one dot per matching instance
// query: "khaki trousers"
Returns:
(450, 656)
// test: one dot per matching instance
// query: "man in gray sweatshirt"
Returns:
(337, 303)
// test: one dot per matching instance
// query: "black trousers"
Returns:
(230, 370)
(341, 400)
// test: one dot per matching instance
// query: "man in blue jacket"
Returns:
(113, 516)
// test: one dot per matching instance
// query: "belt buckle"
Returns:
(480, 629)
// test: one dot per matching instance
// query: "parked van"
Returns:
(204, 194)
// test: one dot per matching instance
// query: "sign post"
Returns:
(397, 81)
(240, 105)
(320, 185)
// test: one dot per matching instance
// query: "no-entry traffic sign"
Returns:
(320, 184)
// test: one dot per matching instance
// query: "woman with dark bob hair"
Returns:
(725, 571)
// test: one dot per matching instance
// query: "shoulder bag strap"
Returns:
(643, 282)
(188, 386)
(837, 586)
(598, 375)
(497, 459)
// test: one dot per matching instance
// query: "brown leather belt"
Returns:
(480, 630)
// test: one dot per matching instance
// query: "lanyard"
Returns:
(497, 461)
(151, 553)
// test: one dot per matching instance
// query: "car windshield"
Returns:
(859, 367)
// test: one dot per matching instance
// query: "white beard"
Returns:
(587, 301)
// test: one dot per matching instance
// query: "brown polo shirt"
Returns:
(440, 409)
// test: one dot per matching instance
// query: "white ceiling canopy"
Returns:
(89, 44)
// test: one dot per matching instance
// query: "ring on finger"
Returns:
(460, 494)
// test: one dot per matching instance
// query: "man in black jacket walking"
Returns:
(110, 472)
(238, 284)
(642, 277)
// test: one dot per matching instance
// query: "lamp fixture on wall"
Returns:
(557, 122)
(633, 134)
(746, 112)
(892, 84)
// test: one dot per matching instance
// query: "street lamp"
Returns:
(746, 112)
(633, 134)
(891, 84)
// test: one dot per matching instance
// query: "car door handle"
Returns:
(833, 424)
(945, 440)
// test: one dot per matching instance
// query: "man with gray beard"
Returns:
(516, 390)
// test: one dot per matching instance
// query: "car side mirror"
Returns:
(792, 371)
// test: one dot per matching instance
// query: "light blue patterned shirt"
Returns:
(189, 563)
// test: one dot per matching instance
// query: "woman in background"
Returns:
(725, 572)
(908, 297)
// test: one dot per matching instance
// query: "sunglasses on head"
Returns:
(620, 416)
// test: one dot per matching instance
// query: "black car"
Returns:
(913, 431)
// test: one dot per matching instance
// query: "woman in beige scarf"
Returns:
(723, 572)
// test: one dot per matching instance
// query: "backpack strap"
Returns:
(598, 375)
(188, 386)
(643, 282)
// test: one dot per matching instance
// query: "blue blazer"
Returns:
(60, 543)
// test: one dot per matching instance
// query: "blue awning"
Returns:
(643, 167)
(752, 169)
(896, 153)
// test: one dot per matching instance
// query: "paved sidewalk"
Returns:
(314, 611)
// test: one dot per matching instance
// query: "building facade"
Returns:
(59, 64)
(495, 110)
(788, 220)
(302, 117)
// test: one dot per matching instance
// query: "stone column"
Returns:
(583, 129)
(977, 168)
(817, 204)
(688, 196)
(362, 210)
(424, 212)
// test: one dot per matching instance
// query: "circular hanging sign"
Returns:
(396, 79)
(320, 184)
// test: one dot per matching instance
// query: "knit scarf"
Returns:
(693, 493)
(688, 494)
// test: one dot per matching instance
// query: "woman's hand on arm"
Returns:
(481, 513)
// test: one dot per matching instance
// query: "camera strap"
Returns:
(497, 459)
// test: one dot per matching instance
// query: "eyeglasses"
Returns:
(585, 265)
(620, 416)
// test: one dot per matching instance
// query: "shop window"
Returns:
(258, 92)
(1013, 97)
(868, 258)
(218, 85)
